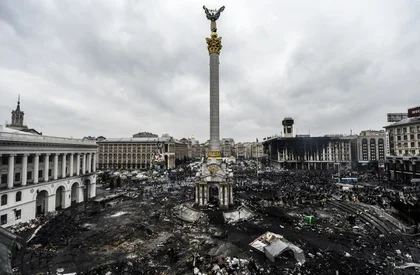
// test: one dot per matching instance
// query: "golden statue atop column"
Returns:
(214, 42)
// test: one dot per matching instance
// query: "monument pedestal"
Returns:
(214, 174)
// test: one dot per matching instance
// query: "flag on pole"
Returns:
(257, 139)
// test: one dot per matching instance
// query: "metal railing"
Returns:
(43, 139)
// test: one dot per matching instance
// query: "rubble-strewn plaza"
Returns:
(331, 203)
(137, 229)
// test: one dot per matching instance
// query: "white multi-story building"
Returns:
(40, 174)
(140, 152)
(403, 162)
(371, 146)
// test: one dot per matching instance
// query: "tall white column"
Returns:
(71, 165)
(63, 166)
(77, 164)
(89, 162)
(46, 167)
(55, 166)
(11, 173)
(231, 194)
(36, 168)
(205, 187)
(197, 189)
(94, 162)
(83, 164)
(24, 169)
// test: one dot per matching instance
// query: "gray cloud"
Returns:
(114, 68)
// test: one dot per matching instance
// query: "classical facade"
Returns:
(312, 153)
(40, 174)
(371, 147)
(139, 152)
(403, 161)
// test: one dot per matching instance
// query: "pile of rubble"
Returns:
(140, 231)
(226, 265)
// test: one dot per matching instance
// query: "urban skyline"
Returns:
(342, 67)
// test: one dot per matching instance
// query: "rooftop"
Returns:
(8, 134)
(405, 121)
(137, 139)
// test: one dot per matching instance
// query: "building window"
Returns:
(3, 219)
(4, 178)
(40, 173)
(365, 150)
(399, 131)
(398, 137)
(49, 172)
(17, 177)
(412, 136)
(373, 149)
(18, 214)
(381, 149)
(30, 159)
(29, 175)
(405, 137)
(18, 159)
(412, 145)
(4, 200)
(19, 196)
(4, 160)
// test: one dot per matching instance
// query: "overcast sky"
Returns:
(115, 68)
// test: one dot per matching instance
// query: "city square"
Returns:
(85, 193)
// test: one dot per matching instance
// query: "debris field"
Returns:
(138, 230)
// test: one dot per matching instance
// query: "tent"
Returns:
(273, 245)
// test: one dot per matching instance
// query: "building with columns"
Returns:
(312, 153)
(40, 174)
